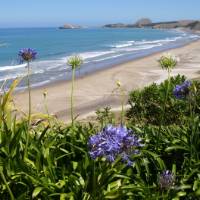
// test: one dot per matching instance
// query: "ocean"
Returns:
(99, 47)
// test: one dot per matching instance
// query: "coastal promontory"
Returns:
(193, 25)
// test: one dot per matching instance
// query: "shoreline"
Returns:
(94, 90)
(53, 68)
(89, 73)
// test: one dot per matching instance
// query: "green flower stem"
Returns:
(122, 105)
(167, 92)
(74, 62)
(72, 95)
(29, 92)
(94, 180)
(166, 96)
(29, 111)
(164, 105)
(46, 109)
(192, 124)
(7, 186)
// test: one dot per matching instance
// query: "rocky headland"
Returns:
(193, 25)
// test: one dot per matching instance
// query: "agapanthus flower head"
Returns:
(168, 61)
(166, 179)
(113, 142)
(182, 91)
(27, 54)
(75, 61)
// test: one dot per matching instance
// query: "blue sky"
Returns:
(33, 13)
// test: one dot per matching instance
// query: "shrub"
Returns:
(147, 104)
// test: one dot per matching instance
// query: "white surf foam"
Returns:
(11, 67)
(138, 48)
(48, 65)
(194, 36)
(3, 45)
(124, 44)
(158, 41)
(106, 58)
(88, 55)
(13, 76)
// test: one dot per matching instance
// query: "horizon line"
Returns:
(94, 26)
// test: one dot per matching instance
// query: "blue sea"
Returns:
(99, 47)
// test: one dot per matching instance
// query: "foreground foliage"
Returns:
(56, 164)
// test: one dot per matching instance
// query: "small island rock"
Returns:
(69, 26)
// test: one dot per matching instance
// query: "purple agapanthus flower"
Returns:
(181, 91)
(27, 54)
(166, 179)
(112, 142)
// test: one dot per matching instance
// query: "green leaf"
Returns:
(29, 162)
(63, 196)
(195, 185)
(198, 192)
(75, 165)
(174, 169)
(156, 157)
(183, 187)
(115, 184)
(176, 198)
(60, 184)
(168, 149)
(36, 191)
(114, 196)
(181, 194)
(7, 96)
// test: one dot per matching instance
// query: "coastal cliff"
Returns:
(193, 25)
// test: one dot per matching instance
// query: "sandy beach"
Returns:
(95, 90)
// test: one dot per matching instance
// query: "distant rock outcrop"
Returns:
(143, 22)
(69, 26)
(194, 26)
(118, 25)
(147, 23)
(172, 24)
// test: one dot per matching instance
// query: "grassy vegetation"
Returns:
(46, 159)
